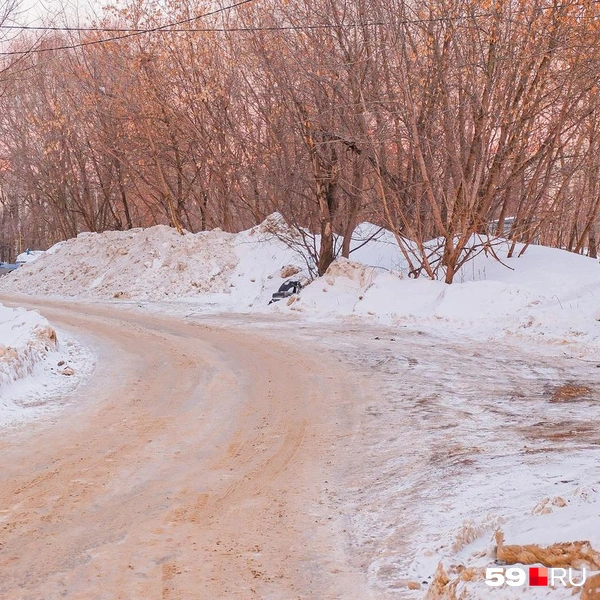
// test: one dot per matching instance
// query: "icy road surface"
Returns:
(238, 458)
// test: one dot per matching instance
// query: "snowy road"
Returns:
(235, 458)
(458, 438)
(193, 465)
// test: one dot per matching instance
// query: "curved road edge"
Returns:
(196, 463)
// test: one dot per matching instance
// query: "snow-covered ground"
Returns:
(484, 393)
(458, 438)
(547, 294)
(501, 437)
(38, 366)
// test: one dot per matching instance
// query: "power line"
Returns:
(129, 34)
(175, 26)
(172, 27)
(205, 29)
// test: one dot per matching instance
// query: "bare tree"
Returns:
(446, 121)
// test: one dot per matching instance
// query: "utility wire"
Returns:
(172, 27)
(130, 33)
(204, 29)
(175, 26)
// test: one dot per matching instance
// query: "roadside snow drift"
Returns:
(150, 264)
(26, 338)
(547, 293)
(37, 372)
(227, 271)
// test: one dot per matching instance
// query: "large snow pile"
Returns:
(154, 264)
(26, 338)
(213, 267)
(228, 271)
(548, 293)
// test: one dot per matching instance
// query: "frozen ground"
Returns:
(479, 400)
(458, 439)
(463, 439)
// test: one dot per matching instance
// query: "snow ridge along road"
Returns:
(193, 465)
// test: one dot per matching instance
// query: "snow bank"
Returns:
(26, 338)
(150, 264)
(213, 268)
(37, 373)
(546, 293)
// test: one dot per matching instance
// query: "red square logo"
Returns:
(538, 576)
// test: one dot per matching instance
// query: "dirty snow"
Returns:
(150, 264)
(25, 339)
(464, 430)
(37, 365)
(547, 294)
(457, 438)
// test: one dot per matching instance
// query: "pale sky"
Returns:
(73, 11)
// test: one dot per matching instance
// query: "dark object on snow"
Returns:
(287, 289)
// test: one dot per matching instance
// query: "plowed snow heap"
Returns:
(25, 339)
(153, 264)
